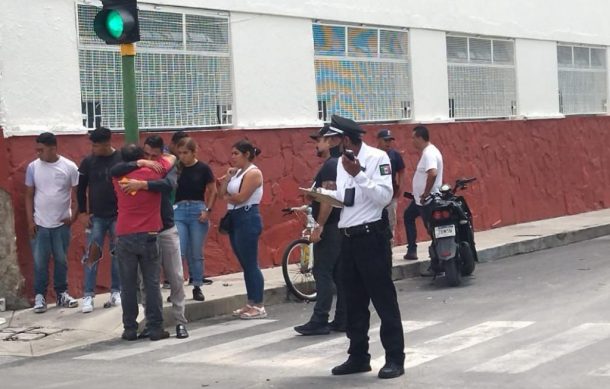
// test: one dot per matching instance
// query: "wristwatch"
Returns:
(208, 209)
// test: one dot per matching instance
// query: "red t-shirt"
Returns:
(140, 212)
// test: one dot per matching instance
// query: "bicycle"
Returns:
(298, 259)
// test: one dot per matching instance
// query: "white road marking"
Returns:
(536, 354)
(124, 350)
(456, 341)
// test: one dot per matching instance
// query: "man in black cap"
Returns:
(327, 241)
(364, 185)
(384, 142)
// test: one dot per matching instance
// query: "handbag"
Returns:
(225, 226)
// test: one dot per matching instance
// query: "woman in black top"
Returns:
(195, 198)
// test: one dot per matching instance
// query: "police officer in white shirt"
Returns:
(364, 185)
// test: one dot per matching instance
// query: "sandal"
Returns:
(244, 309)
(254, 313)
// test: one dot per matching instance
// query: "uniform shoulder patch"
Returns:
(385, 169)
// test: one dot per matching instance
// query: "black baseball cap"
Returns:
(385, 134)
(320, 133)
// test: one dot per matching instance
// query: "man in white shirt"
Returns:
(364, 185)
(50, 181)
(427, 179)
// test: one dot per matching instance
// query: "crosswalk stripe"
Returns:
(603, 371)
(323, 350)
(547, 350)
(199, 333)
(456, 341)
(227, 350)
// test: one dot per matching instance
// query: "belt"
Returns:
(364, 229)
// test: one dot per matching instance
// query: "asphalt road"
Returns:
(532, 321)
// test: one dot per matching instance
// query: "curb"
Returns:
(276, 295)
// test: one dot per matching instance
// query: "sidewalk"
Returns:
(33, 334)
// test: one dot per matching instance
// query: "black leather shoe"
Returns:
(181, 332)
(351, 366)
(159, 334)
(129, 335)
(198, 294)
(144, 334)
(313, 328)
(337, 326)
(207, 281)
(391, 370)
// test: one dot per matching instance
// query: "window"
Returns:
(183, 71)
(482, 81)
(362, 72)
(582, 79)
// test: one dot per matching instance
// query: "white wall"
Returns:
(39, 79)
(274, 72)
(561, 20)
(537, 78)
(429, 75)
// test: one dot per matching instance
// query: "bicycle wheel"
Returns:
(297, 267)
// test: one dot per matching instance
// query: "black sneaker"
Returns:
(198, 294)
(337, 326)
(181, 332)
(391, 370)
(313, 328)
(158, 335)
(351, 366)
(129, 335)
(207, 281)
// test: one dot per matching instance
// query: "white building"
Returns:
(292, 63)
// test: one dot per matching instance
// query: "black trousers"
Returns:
(135, 251)
(366, 269)
(326, 273)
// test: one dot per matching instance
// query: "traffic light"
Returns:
(117, 22)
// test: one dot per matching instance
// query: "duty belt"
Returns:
(363, 229)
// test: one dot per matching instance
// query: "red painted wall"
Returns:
(527, 170)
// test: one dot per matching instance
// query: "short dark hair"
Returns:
(244, 146)
(132, 152)
(47, 139)
(154, 141)
(422, 132)
(100, 135)
(179, 135)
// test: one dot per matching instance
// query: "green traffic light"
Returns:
(114, 24)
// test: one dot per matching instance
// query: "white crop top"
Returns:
(234, 185)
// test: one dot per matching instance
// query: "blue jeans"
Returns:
(47, 242)
(247, 227)
(192, 236)
(100, 226)
(412, 212)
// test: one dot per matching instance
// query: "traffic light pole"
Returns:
(130, 107)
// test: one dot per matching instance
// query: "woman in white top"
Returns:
(242, 187)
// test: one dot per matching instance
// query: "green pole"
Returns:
(130, 106)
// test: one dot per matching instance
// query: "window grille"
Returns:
(582, 79)
(482, 80)
(183, 72)
(362, 72)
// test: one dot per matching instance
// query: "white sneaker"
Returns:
(40, 305)
(66, 301)
(87, 304)
(115, 298)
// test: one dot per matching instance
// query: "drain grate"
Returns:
(27, 334)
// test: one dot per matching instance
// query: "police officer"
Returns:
(364, 185)
(327, 239)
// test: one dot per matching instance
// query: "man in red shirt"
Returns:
(137, 229)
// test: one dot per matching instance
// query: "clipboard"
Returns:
(318, 195)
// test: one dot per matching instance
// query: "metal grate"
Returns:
(362, 72)
(482, 80)
(183, 72)
(582, 79)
